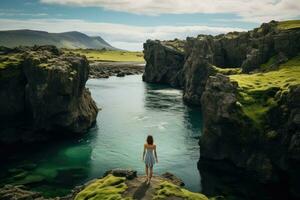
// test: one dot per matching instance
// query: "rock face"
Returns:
(191, 68)
(270, 154)
(45, 89)
(251, 122)
(163, 63)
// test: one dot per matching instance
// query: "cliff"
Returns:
(116, 184)
(43, 94)
(248, 87)
(164, 62)
(198, 58)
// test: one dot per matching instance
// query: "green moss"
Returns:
(257, 92)
(9, 60)
(167, 189)
(109, 187)
(228, 71)
(291, 24)
(108, 55)
(175, 44)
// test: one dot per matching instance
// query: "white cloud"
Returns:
(247, 10)
(119, 35)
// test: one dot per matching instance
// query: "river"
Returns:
(131, 109)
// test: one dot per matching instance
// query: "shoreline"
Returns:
(105, 69)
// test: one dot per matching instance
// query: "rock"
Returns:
(137, 188)
(128, 173)
(191, 67)
(121, 74)
(9, 192)
(120, 69)
(115, 184)
(197, 69)
(173, 178)
(45, 91)
(163, 63)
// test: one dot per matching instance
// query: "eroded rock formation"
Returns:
(43, 90)
(251, 119)
(189, 67)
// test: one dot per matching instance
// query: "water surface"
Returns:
(131, 109)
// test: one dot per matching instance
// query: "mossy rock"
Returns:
(167, 189)
(109, 187)
(259, 92)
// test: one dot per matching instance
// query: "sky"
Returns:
(126, 24)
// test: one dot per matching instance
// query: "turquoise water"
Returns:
(131, 109)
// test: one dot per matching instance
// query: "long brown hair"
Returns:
(150, 140)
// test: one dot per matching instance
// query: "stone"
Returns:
(173, 178)
(128, 173)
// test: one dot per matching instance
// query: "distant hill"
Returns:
(70, 40)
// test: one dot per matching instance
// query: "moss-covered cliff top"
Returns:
(259, 92)
(175, 44)
(113, 187)
(8, 60)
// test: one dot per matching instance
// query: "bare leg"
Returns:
(151, 173)
(146, 169)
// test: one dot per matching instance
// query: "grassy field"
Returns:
(258, 92)
(291, 24)
(107, 55)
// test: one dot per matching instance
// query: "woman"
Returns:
(148, 157)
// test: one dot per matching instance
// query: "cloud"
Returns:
(246, 10)
(119, 35)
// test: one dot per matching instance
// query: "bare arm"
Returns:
(155, 153)
(144, 152)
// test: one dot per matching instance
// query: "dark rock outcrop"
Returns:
(271, 154)
(255, 129)
(163, 63)
(190, 68)
(43, 90)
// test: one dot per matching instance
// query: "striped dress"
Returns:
(149, 157)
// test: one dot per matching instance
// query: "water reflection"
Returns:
(162, 98)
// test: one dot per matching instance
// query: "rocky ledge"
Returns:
(120, 69)
(43, 94)
(116, 184)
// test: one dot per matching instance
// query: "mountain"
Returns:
(70, 40)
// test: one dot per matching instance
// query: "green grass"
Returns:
(175, 44)
(167, 189)
(107, 55)
(257, 91)
(291, 24)
(227, 71)
(107, 188)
